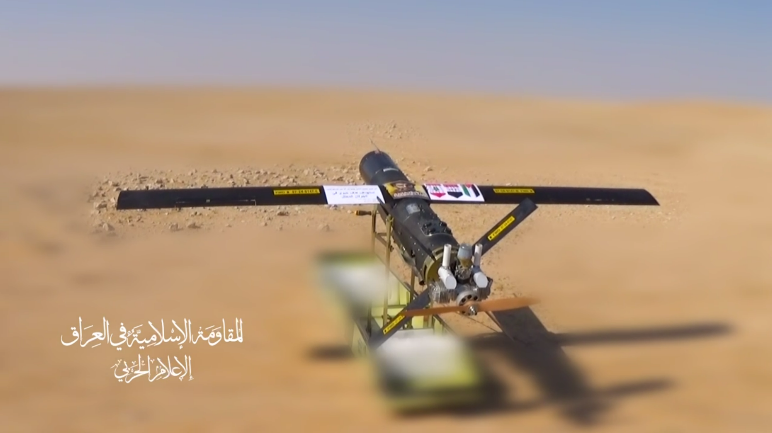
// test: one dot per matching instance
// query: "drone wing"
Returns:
(251, 196)
(494, 194)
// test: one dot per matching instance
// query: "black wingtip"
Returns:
(124, 201)
(647, 198)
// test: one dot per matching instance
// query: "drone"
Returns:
(388, 317)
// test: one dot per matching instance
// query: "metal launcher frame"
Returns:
(493, 236)
(386, 239)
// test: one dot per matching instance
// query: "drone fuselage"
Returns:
(417, 230)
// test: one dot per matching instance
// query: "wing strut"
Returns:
(506, 225)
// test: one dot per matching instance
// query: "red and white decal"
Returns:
(435, 190)
(454, 192)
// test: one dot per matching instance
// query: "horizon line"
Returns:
(382, 90)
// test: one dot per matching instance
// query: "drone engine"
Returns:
(462, 282)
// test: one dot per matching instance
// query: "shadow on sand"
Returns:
(531, 348)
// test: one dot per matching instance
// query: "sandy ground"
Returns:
(664, 311)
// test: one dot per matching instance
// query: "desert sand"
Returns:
(663, 311)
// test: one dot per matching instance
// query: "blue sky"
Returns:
(559, 48)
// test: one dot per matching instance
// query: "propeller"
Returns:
(472, 308)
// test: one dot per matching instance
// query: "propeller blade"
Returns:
(436, 310)
(487, 305)
(506, 304)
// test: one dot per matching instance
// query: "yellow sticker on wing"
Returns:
(513, 190)
(299, 191)
(507, 222)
